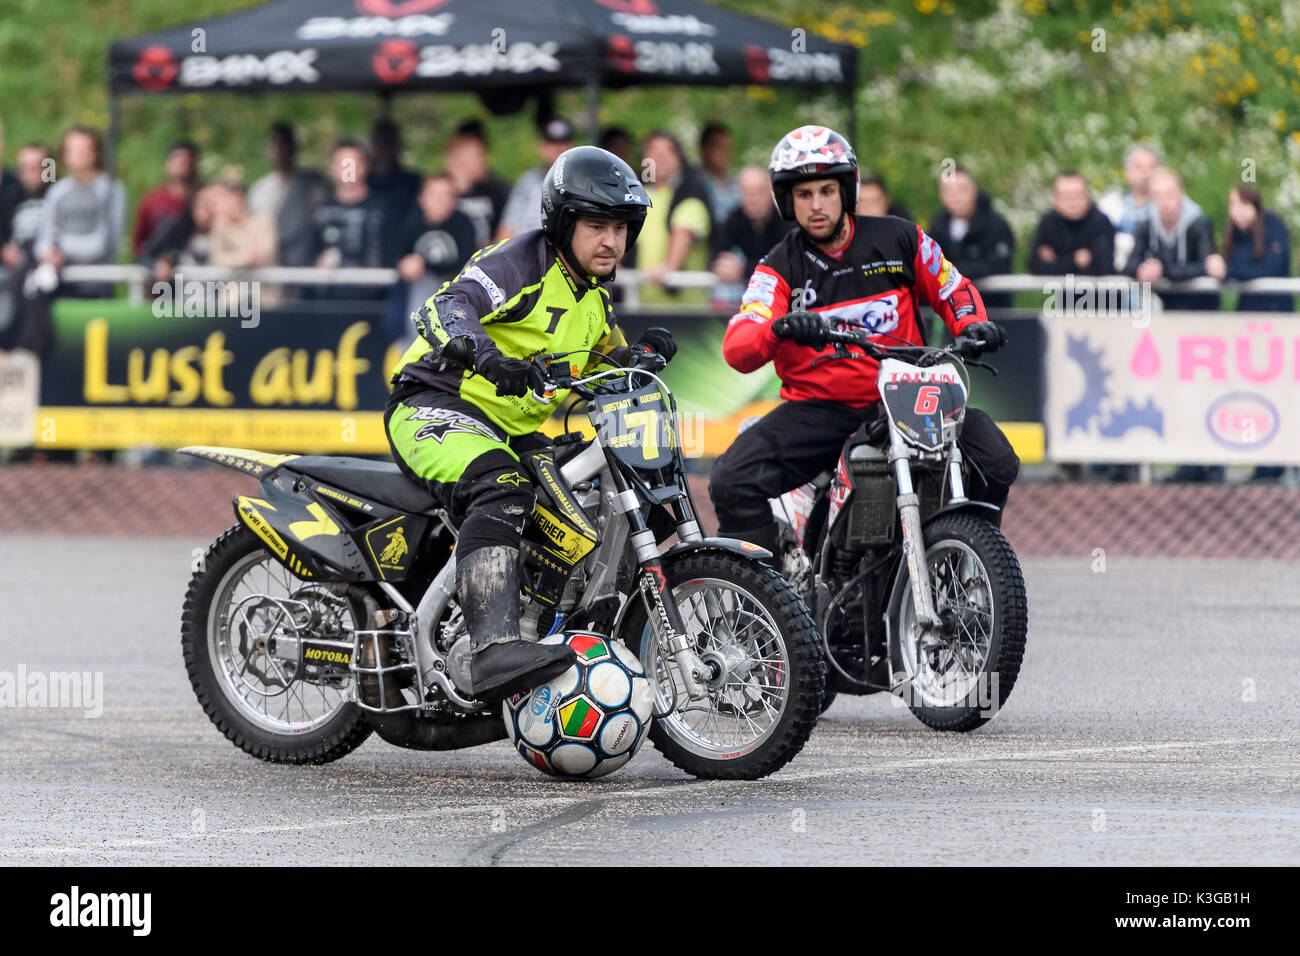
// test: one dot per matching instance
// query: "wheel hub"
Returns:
(727, 665)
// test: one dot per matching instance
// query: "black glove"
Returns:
(802, 328)
(644, 357)
(991, 336)
(661, 341)
(509, 375)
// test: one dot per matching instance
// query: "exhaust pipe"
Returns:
(405, 729)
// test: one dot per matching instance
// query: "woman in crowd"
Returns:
(84, 214)
(1255, 246)
(187, 239)
(242, 239)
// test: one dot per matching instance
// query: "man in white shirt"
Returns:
(522, 210)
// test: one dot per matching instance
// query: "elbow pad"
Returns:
(448, 346)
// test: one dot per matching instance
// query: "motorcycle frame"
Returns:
(911, 564)
(599, 568)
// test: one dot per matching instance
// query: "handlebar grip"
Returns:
(538, 385)
(848, 338)
(855, 338)
(648, 360)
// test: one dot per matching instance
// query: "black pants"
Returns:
(796, 441)
(28, 324)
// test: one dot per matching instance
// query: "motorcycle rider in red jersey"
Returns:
(868, 273)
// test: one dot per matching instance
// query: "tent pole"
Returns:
(111, 135)
(386, 104)
(848, 91)
(593, 109)
(849, 104)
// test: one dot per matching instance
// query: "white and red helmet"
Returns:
(812, 152)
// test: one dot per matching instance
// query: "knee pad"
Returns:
(495, 499)
(1002, 467)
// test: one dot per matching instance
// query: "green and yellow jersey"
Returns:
(518, 298)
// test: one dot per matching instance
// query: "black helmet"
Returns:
(590, 181)
(812, 152)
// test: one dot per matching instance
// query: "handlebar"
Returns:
(542, 381)
(962, 347)
(548, 373)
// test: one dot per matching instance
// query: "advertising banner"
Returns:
(310, 379)
(19, 389)
(1179, 387)
(313, 377)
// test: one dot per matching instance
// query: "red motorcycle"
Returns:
(913, 586)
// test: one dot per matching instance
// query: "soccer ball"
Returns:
(591, 719)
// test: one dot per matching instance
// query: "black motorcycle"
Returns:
(329, 611)
(913, 586)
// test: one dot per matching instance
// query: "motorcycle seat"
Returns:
(380, 481)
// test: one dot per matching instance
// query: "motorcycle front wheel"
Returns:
(756, 635)
(960, 678)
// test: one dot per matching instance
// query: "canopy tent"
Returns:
(504, 49)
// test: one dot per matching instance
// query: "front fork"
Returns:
(909, 514)
(666, 621)
(665, 618)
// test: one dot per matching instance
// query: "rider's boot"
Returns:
(501, 662)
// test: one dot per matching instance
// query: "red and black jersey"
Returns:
(874, 283)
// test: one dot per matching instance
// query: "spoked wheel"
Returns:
(962, 676)
(241, 630)
(766, 673)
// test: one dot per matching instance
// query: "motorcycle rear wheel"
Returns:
(240, 684)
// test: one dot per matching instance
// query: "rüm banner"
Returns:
(1181, 387)
(313, 377)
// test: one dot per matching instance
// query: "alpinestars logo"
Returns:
(444, 422)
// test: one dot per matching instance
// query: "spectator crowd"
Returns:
(61, 208)
(371, 210)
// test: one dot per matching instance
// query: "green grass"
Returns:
(1014, 91)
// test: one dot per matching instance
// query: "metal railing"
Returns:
(1022, 282)
(139, 281)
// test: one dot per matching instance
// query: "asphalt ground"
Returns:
(1155, 721)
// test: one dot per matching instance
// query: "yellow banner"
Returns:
(344, 433)
(348, 433)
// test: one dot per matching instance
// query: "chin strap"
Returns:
(839, 226)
